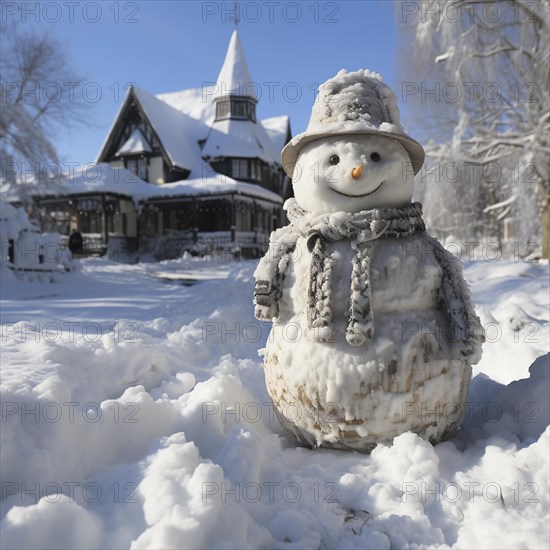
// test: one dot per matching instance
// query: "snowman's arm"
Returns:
(455, 296)
(270, 274)
(266, 306)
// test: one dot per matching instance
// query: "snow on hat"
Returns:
(353, 103)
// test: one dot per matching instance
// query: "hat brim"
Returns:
(290, 152)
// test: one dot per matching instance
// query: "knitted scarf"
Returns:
(361, 228)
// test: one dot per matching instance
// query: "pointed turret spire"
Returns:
(234, 78)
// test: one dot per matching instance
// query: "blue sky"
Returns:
(164, 46)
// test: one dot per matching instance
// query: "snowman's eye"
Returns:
(375, 157)
(335, 159)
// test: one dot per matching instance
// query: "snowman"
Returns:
(374, 331)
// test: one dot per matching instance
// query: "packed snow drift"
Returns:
(135, 415)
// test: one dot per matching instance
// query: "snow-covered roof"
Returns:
(214, 185)
(277, 128)
(135, 144)
(179, 133)
(194, 102)
(102, 178)
(183, 119)
(239, 138)
(234, 77)
(197, 103)
(107, 179)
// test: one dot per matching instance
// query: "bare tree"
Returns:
(484, 66)
(37, 99)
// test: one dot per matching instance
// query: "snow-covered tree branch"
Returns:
(37, 99)
(481, 69)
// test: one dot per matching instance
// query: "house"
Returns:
(181, 170)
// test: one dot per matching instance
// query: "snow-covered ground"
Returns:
(134, 414)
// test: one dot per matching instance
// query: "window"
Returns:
(137, 166)
(142, 169)
(131, 165)
(239, 169)
(222, 109)
(244, 219)
(252, 112)
(237, 108)
(256, 170)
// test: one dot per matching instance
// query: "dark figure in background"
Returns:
(76, 243)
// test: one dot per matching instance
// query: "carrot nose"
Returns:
(356, 172)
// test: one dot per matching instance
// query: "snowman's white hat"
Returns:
(353, 103)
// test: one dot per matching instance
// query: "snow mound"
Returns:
(26, 252)
(135, 415)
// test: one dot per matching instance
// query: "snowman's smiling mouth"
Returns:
(357, 196)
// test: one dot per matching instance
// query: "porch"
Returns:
(165, 227)
(107, 221)
(231, 223)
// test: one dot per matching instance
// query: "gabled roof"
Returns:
(109, 180)
(182, 119)
(135, 144)
(177, 132)
(234, 78)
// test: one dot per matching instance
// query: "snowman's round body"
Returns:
(411, 370)
(409, 376)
